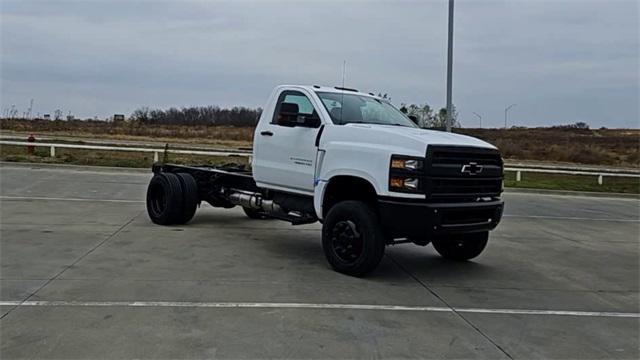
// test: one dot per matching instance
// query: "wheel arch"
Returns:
(346, 187)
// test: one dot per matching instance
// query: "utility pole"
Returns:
(30, 109)
(506, 110)
(479, 118)
(450, 69)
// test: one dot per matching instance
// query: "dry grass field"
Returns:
(615, 148)
(607, 147)
(230, 136)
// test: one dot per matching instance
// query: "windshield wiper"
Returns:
(374, 123)
(355, 122)
(396, 124)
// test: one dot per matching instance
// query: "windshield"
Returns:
(352, 108)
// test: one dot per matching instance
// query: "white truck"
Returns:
(359, 166)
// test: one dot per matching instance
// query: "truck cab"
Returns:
(372, 177)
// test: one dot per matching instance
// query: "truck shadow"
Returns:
(303, 246)
(237, 219)
(396, 266)
(425, 264)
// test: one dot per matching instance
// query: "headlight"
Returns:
(404, 174)
(404, 184)
(405, 163)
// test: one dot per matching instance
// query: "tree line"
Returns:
(427, 117)
(197, 115)
(243, 116)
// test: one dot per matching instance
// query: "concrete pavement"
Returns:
(81, 237)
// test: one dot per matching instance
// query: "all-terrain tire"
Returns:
(164, 199)
(352, 238)
(461, 247)
(190, 195)
(420, 241)
(255, 214)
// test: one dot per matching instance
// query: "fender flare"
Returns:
(321, 186)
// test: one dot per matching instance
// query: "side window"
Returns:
(294, 102)
(303, 102)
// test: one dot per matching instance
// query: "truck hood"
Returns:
(428, 137)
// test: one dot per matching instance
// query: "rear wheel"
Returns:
(164, 199)
(352, 239)
(190, 194)
(461, 247)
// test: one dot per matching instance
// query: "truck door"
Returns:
(285, 151)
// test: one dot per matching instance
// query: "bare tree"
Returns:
(204, 115)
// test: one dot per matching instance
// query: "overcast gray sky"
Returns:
(559, 61)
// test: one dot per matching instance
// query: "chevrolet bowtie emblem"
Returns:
(472, 168)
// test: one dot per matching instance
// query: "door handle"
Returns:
(266, 133)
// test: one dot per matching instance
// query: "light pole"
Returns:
(479, 118)
(505, 113)
(450, 69)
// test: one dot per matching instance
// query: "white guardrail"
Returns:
(517, 168)
(52, 149)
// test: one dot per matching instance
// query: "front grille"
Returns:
(462, 172)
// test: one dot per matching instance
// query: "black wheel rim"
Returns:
(459, 244)
(158, 200)
(346, 241)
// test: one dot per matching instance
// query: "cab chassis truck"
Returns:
(362, 168)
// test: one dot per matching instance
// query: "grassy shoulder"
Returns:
(145, 160)
(546, 181)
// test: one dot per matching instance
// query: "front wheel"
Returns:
(461, 247)
(352, 239)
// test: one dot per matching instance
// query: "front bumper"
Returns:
(402, 218)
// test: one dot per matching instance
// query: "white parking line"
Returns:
(228, 305)
(599, 196)
(546, 217)
(69, 199)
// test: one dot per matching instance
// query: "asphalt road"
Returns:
(86, 275)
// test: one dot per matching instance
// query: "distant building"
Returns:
(118, 118)
(46, 116)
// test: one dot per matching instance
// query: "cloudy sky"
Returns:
(560, 61)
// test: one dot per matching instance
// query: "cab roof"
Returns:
(333, 89)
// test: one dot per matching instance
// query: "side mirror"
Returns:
(307, 121)
(414, 119)
(289, 116)
(301, 120)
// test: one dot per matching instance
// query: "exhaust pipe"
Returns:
(253, 201)
(248, 200)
